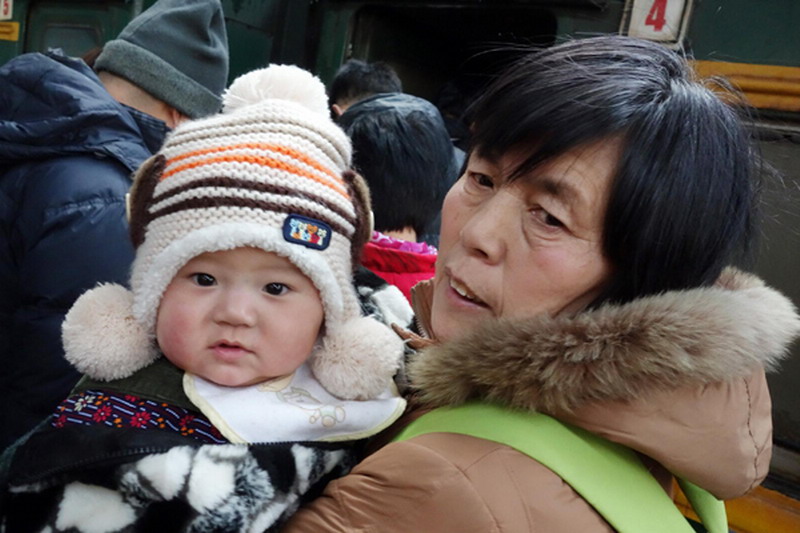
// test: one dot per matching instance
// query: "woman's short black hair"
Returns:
(683, 204)
(402, 148)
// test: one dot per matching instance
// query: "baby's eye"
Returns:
(204, 280)
(276, 289)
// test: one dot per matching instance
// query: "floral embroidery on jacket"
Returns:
(126, 410)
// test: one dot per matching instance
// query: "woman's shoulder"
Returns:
(717, 436)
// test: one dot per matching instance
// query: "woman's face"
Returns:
(525, 247)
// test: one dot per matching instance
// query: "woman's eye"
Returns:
(478, 183)
(482, 180)
(204, 280)
(550, 220)
(547, 219)
(275, 289)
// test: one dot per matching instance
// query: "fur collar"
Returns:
(617, 352)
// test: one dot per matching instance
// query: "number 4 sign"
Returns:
(657, 20)
(6, 9)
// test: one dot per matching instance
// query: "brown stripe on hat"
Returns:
(248, 203)
(259, 186)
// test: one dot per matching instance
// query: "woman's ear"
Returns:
(359, 192)
(140, 194)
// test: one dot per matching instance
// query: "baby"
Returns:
(237, 376)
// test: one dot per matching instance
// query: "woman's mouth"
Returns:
(465, 292)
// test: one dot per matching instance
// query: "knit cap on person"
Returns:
(270, 172)
(177, 50)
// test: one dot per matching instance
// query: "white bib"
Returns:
(291, 408)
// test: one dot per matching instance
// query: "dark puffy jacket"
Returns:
(67, 150)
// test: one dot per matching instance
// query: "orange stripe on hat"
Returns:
(336, 185)
(263, 146)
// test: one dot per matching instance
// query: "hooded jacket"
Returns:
(67, 149)
(678, 378)
(401, 263)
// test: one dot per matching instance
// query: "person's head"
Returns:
(246, 225)
(403, 150)
(176, 52)
(356, 80)
(600, 171)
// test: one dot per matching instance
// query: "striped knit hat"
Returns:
(270, 172)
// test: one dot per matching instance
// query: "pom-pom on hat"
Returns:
(270, 172)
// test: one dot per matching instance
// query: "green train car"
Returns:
(454, 45)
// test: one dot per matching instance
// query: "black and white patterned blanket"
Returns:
(160, 483)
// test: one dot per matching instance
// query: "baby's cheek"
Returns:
(172, 334)
(173, 348)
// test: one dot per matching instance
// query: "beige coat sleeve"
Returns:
(718, 436)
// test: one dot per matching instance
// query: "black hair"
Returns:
(358, 79)
(684, 201)
(402, 149)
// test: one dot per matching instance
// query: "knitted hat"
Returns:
(177, 50)
(270, 172)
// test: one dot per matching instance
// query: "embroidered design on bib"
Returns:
(327, 414)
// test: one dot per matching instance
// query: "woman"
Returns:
(582, 273)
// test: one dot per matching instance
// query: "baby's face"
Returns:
(239, 317)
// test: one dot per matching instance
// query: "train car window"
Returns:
(75, 28)
(777, 264)
(431, 47)
(447, 51)
(73, 40)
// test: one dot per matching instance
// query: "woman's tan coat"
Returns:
(677, 377)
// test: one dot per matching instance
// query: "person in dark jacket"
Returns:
(356, 80)
(402, 148)
(70, 138)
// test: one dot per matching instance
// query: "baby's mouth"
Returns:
(466, 293)
(227, 344)
(230, 347)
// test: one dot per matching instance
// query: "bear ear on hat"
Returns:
(140, 194)
(359, 192)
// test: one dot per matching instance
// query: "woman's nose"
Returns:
(486, 231)
(235, 308)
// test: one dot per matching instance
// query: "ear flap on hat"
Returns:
(101, 337)
(144, 183)
(359, 192)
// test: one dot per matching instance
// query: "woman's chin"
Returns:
(453, 316)
(450, 323)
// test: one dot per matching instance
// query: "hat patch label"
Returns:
(307, 231)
